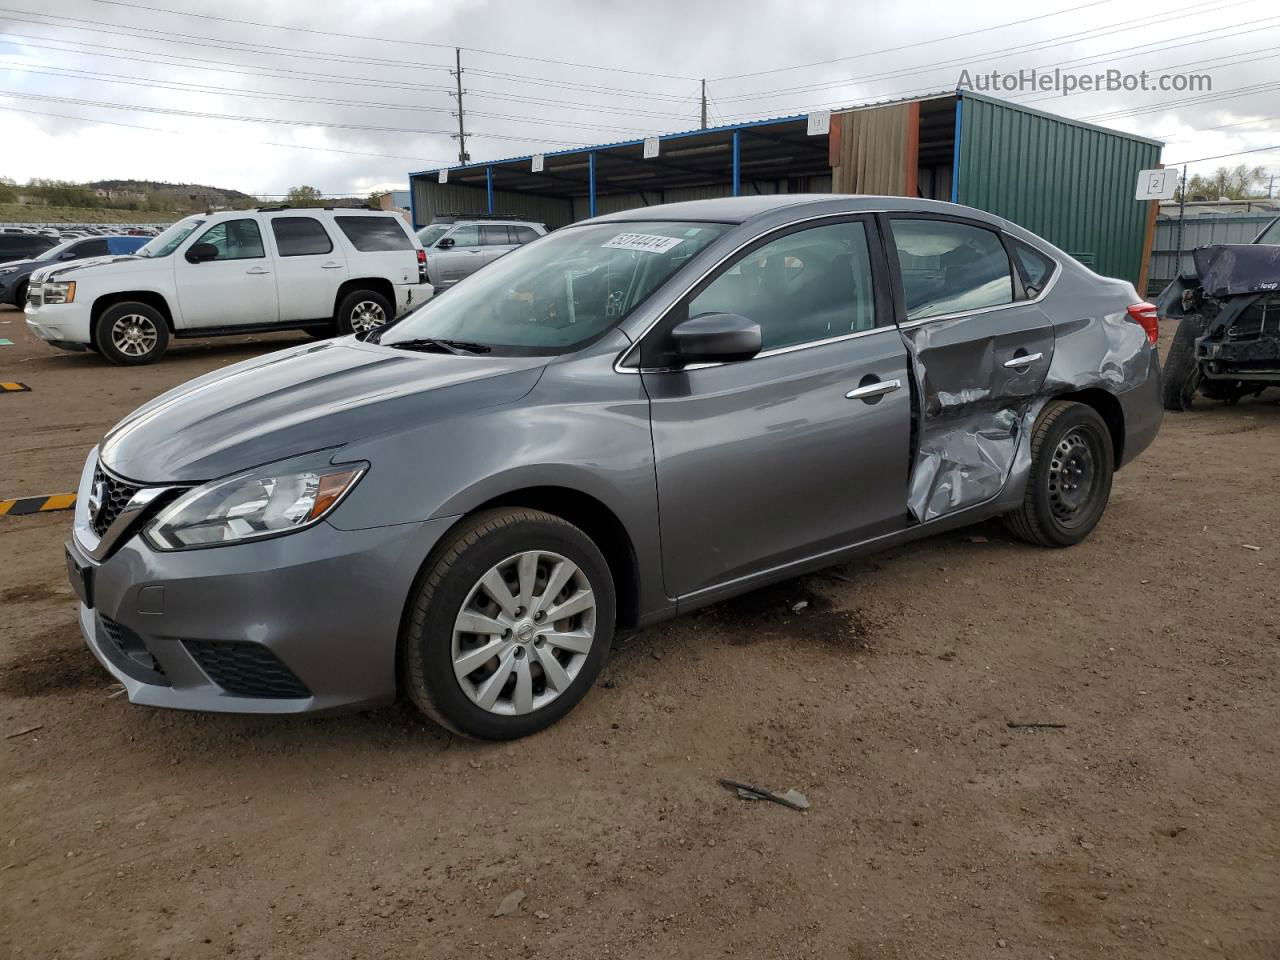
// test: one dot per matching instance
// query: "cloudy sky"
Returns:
(261, 95)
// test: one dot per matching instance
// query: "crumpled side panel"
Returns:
(965, 465)
(967, 444)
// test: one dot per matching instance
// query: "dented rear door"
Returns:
(980, 350)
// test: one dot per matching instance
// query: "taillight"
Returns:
(422, 256)
(422, 266)
(1146, 316)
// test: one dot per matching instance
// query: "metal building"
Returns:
(1070, 182)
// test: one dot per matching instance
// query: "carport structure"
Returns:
(1068, 181)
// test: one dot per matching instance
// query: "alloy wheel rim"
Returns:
(366, 315)
(134, 335)
(1073, 471)
(524, 633)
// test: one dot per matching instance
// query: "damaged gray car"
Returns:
(623, 421)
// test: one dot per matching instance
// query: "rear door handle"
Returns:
(258, 272)
(331, 266)
(870, 390)
(1017, 363)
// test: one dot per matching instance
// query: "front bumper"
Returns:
(303, 623)
(62, 324)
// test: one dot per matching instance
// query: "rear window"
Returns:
(372, 234)
(300, 236)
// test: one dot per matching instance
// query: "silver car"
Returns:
(631, 418)
(458, 247)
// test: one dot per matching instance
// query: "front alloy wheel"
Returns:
(511, 621)
(524, 632)
(131, 333)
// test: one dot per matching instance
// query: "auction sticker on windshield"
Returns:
(646, 242)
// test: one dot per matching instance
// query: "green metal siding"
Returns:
(1072, 184)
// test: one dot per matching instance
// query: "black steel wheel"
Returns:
(1072, 460)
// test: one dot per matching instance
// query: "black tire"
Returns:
(356, 312)
(20, 294)
(446, 583)
(1071, 448)
(1181, 370)
(153, 333)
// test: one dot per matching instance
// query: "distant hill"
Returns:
(183, 194)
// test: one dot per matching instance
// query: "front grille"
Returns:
(246, 669)
(133, 652)
(115, 495)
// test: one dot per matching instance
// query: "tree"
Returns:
(8, 190)
(1236, 183)
(304, 196)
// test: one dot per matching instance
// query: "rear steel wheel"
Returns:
(1069, 484)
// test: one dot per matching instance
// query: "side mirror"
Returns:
(67, 255)
(444, 244)
(200, 252)
(716, 338)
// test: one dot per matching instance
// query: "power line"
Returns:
(1188, 101)
(905, 46)
(236, 46)
(295, 98)
(416, 43)
(184, 133)
(226, 66)
(1223, 156)
(200, 114)
(1030, 47)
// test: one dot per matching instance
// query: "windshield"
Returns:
(1271, 235)
(54, 252)
(563, 291)
(429, 235)
(169, 240)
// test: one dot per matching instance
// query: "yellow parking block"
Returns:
(21, 506)
(14, 388)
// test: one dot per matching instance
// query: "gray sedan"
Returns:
(631, 418)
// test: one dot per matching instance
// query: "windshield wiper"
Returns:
(456, 347)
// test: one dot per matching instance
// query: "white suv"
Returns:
(326, 271)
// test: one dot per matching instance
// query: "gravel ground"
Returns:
(1149, 825)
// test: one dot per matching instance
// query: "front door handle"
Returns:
(869, 391)
(258, 272)
(1017, 363)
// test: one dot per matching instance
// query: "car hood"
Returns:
(117, 263)
(24, 266)
(307, 398)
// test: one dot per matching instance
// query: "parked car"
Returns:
(321, 270)
(23, 246)
(1227, 344)
(14, 276)
(638, 415)
(459, 246)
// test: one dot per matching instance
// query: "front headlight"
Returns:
(258, 504)
(7, 270)
(59, 291)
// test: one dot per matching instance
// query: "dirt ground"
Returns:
(1148, 826)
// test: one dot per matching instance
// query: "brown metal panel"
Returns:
(873, 149)
(913, 150)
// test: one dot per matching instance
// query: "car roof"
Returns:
(743, 209)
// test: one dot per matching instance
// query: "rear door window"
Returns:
(300, 236)
(950, 267)
(374, 234)
(495, 235)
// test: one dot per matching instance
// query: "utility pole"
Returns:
(1182, 219)
(461, 135)
(704, 105)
